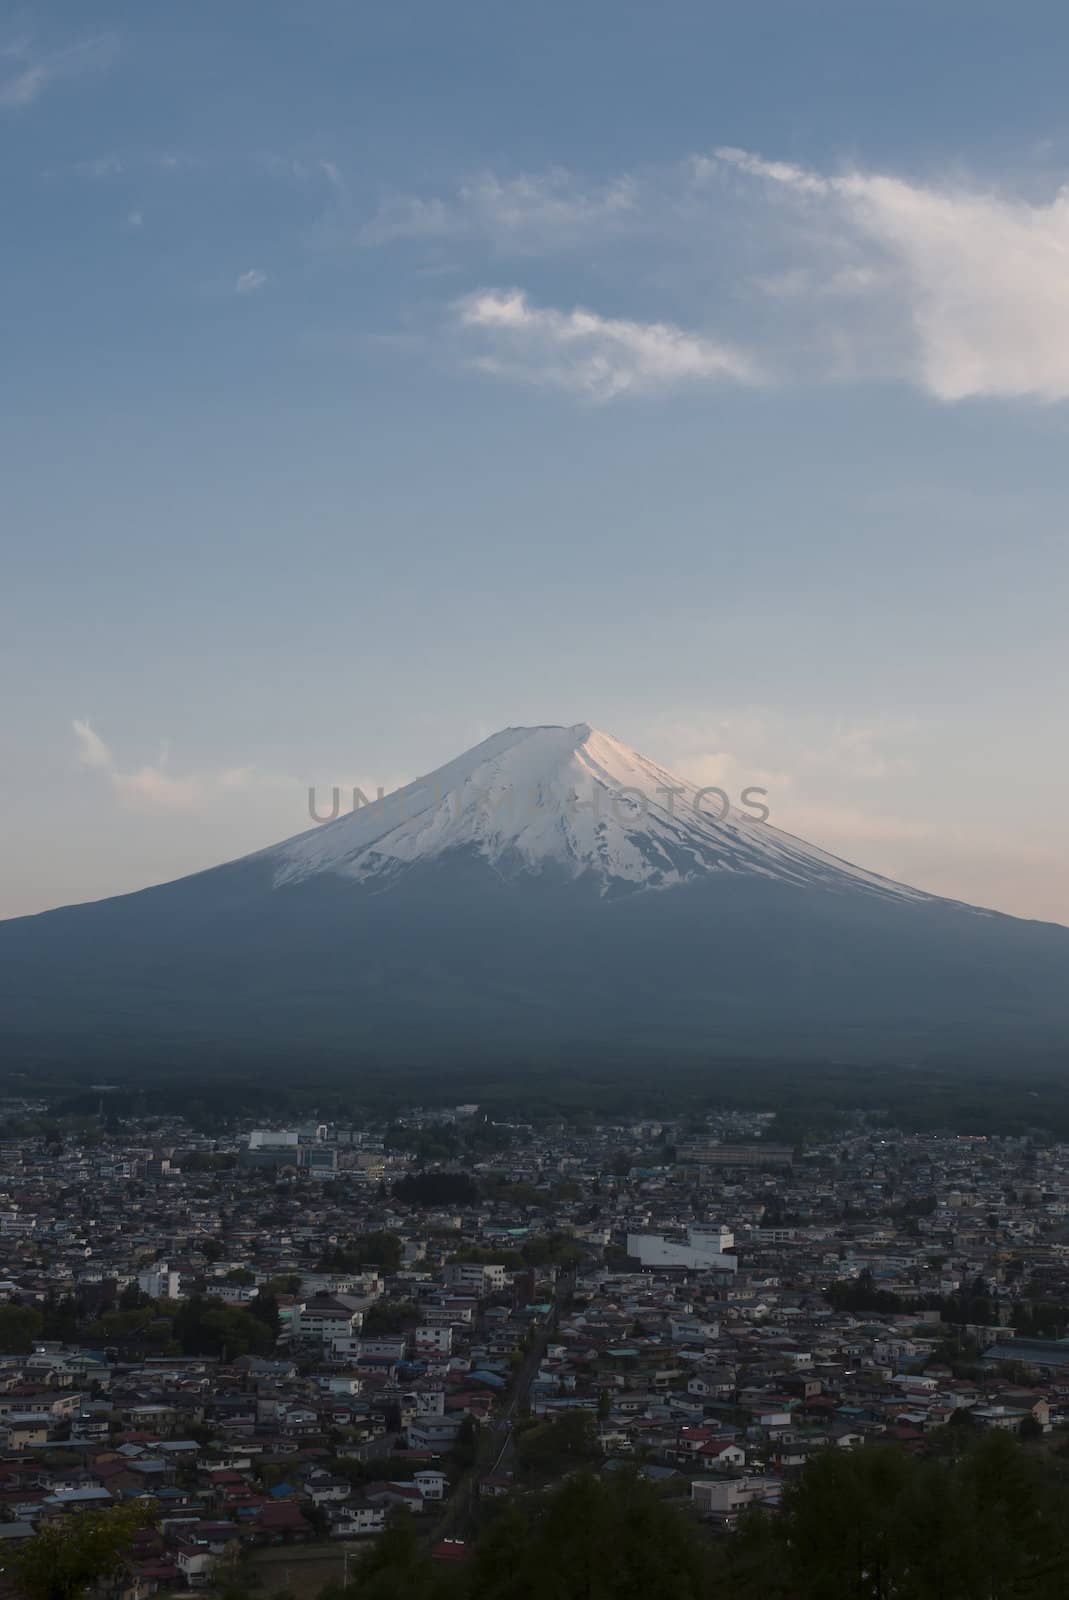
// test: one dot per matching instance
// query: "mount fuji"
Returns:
(550, 895)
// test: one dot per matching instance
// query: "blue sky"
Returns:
(374, 378)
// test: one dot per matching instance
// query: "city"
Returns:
(281, 1340)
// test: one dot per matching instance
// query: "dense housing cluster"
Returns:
(281, 1337)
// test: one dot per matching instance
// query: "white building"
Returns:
(160, 1282)
(432, 1433)
(724, 1498)
(434, 1341)
(328, 1318)
(702, 1252)
(476, 1277)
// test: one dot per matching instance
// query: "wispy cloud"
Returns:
(525, 213)
(131, 164)
(154, 785)
(99, 167)
(598, 357)
(958, 286)
(92, 750)
(31, 74)
(249, 282)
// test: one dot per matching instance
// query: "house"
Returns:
(328, 1317)
(195, 1561)
(495, 1486)
(391, 1495)
(721, 1453)
(356, 1520)
(723, 1498)
(432, 1433)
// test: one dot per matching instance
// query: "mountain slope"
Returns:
(573, 800)
(519, 905)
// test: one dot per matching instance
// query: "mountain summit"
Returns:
(550, 895)
(572, 800)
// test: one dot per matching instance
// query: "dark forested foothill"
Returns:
(988, 1522)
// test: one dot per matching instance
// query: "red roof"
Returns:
(280, 1514)
(450, 1550)
(407, 1491)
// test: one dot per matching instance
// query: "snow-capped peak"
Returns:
(571, 799)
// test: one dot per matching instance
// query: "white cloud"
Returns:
(955, 285)
(967, 286)
(249, 282)
(598, 357)
(33, 74)
(153, 786)
(93, 752)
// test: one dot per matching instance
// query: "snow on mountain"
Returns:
(551, 897)
(568, 799)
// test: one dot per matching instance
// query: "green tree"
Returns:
(567, 1440)
(65, 1559)
(264, 1307)
(397, 1566)
(382, 1250)
(389, 1316)
(203, 1327)
(19, 1327)
(877, 1523)
(465, 1444)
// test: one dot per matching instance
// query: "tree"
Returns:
(437, 1189)
(319, 1520)
(567, 1440)
(389, 1316)
(282, 1283)
(466, 1442)
(382, 1250)
(65, 1559)
(203, 1327)
(19, 1327)
(614, 1540)
(264, 1307)
(879, 1523)
(398, 1564)
(860, 1294)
